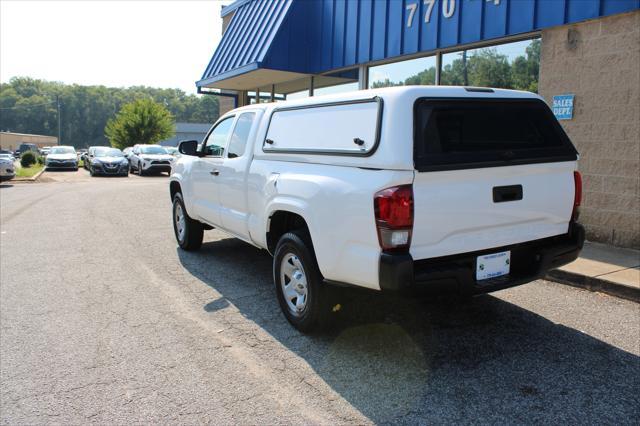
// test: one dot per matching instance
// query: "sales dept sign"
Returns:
(563, 107)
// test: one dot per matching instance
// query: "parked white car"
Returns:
(7, 169)
(149, 159)
(62, 157)
(458, 189)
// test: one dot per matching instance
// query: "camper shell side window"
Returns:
(339, 128)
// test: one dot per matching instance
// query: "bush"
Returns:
(41, 160)
(27, 159)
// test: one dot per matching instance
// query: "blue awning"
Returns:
(247, 41)
(278, 41)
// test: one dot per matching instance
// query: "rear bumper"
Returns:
(456, 274)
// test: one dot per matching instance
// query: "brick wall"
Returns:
(599, 62)
(225, 103)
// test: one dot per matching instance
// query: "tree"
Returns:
(28, 106)
(143, 121)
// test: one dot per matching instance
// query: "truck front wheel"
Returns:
(189, 232)
(298, 281)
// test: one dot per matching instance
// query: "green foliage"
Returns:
(40, 160)
(485, 68)
(143, 121)
(87, 109)
(27, 159)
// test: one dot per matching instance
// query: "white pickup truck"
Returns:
(459, 189)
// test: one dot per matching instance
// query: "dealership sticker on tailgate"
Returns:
(493, 265)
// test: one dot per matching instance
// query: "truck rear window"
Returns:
(470, 133)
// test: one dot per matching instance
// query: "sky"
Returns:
(115, 43)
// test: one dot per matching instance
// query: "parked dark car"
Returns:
(88, 155)
(24, 147)
(108, 161)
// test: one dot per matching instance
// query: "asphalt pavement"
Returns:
(104, 320)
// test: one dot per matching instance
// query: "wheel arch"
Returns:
(282, 221)
(174, 187)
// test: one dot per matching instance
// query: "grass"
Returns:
(27, 172)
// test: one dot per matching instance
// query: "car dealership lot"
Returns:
(104, 320)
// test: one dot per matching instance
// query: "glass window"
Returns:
(217, 139)
(348, 128)
(420, 71)
(449, 132)
(152, 149)
(240, 135)
(109, 152)
(62, 150)
(339, 88)
(507, 66)
(298, 95)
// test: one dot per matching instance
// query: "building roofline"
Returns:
(29, 134)
(233, 6)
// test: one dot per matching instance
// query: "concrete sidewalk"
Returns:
(603, 268)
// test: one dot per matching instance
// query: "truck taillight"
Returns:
(577, 198)
(394, 217)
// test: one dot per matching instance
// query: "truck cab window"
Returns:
(240, 135)
(217, 139)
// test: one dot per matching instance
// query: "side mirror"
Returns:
(188, 147)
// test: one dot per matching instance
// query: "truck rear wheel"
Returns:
(301, 293)
(188, 232)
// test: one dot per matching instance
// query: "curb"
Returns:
(31, 179)
(595, 284)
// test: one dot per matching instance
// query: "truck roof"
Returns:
(399, 92)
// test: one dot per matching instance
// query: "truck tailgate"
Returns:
(455, 211)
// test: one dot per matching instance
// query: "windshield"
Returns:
(7, 156)
(109, 152)
(171, 150)
(62, 150)
(154, 149)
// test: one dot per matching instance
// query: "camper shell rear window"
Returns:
(454, 134)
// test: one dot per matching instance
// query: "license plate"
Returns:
(493, 265)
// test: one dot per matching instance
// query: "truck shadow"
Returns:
(401, 359)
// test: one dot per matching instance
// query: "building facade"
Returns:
(187, 131)
(11, 141)
(582, 56)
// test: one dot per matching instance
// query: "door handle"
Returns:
(215, 172)
(503, 194)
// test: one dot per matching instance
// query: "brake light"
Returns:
(577, 199)
(393, 209)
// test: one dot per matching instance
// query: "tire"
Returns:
(189, 232)
(140, 172)
(91, 173)
(308, 314)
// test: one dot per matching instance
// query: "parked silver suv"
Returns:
(149, 159)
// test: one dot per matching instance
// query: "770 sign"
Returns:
(448, 9)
